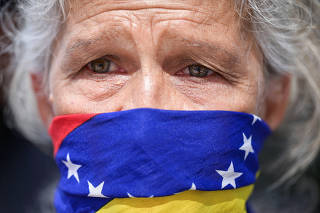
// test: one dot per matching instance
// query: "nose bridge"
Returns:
(148, 86)
(150, 77)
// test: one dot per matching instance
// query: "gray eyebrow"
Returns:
(227, 58)
(230, 58)
(84, 43)
(80, 44)
(206, 51)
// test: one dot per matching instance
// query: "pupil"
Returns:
(100, 66)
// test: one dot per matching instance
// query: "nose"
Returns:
(151, 87)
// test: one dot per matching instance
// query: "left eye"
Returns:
(197, 70)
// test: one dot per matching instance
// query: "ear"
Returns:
(276, 99)
(43, 103)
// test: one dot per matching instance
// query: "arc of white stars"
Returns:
(247, 146)
(255, 118)
(229, 176)
(96, 191)
(72, 168)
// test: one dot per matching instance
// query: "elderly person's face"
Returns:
(177, 55)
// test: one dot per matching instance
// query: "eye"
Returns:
(102, 65)
(197, 70)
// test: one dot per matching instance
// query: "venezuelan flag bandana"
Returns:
(152, 161)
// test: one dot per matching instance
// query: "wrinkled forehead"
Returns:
(203, 12)
(205, 9)
(190, 22)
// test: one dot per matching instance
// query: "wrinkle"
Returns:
(132, 9)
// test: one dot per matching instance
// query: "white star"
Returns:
(193, 187)
(229, 176)
(129, 195)
(151, 196)
(72, 168)
(247, 146)
(96, 191)
(255, 118)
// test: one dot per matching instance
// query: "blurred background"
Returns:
(29, 175)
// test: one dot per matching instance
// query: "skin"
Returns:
(151, 43)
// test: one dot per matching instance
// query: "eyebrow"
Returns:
(80, 44)
(226, 58)
(84, 43)
(213, 51)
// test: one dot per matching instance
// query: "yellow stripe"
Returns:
(224, 201)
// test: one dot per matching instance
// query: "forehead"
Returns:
(187, 22)
(209, 8)
(202, 13)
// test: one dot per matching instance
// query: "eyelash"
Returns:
(194, 70)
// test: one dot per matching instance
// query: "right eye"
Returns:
(102, 65)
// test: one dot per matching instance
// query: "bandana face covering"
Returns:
(150, 160)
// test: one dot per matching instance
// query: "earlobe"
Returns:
(43, 103)
(277, 99)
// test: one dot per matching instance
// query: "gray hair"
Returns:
(31, 38)
(286, 31)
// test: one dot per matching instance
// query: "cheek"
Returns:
(99, 88)
(85, 94)
(218, 94)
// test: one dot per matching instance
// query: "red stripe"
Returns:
(62, 125)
